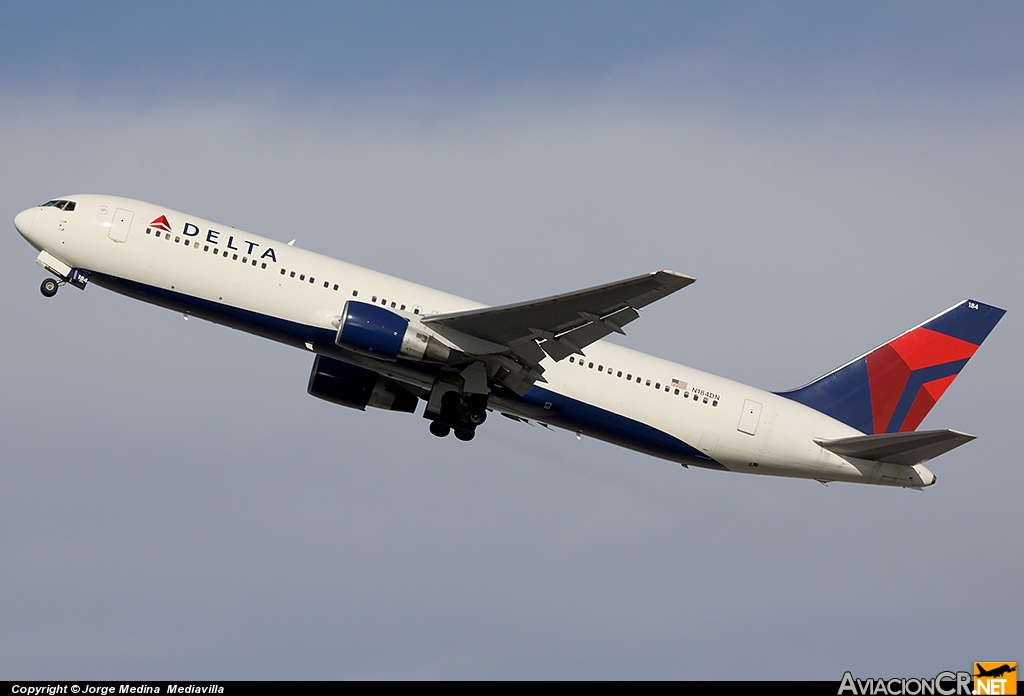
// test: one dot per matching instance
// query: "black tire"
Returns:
(49, 287)
(439, 429)
(465, 435)
(477, 417)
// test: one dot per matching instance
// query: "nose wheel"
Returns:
(49, 287)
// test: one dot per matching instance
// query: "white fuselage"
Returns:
(292, 295)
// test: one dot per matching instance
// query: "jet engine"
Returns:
(380, 333)
(355, 387)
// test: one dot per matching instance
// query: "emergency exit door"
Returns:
(119, 226)
(750, 417)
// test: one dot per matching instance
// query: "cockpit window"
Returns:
(63, 205)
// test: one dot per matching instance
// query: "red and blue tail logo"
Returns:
(892, 388)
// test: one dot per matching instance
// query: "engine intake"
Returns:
(380, 333)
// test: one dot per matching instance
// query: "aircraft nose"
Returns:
(23, 222)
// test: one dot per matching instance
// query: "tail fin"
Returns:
(892, 388)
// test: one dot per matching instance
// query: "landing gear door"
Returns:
(119, 227)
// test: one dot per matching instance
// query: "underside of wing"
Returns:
(561, 325)
(908, 448)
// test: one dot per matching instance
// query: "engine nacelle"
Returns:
(380, 333)
(348, 385)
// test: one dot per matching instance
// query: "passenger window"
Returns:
(311, 280)
(206, 247)
(177, 240)
(657, 385)
(225, 254)
(416, 311)
(234, 257)
(392, 305)
(619, 373)
(355, 293)
(245, 260)
(648, 383)
(263, 265)
(600, 368)
(335, 287)
(402, 308)
(282, 271)
(677, 392)
(590, 366)
(292, 274)
(572, 360)
(373, 299)
(326, 284)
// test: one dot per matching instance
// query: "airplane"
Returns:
(995, 671)
(383, 342)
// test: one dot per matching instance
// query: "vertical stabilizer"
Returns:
(892, 388)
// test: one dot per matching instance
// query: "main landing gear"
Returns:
(460, 413)
(439, 429)
(49, 287)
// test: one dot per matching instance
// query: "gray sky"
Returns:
(173, 505)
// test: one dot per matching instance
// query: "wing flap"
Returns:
(908, 448)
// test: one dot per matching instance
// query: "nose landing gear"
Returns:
(49, 287)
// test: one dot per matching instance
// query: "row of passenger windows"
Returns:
(206, 247)
(640, 380)
(416, 309)
(394, 305)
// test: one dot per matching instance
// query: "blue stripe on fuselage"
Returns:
(564, 412)
(282, 330)
(572, 414)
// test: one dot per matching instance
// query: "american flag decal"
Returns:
(678, 384)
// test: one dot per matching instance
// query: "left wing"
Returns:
(560, 325)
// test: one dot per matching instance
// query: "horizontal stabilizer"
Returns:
(898, 448)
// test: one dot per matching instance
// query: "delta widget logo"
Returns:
(161, 223)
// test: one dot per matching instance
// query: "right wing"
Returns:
(562, 324)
